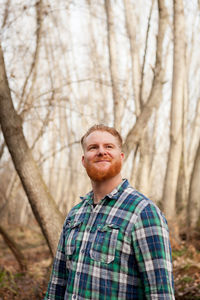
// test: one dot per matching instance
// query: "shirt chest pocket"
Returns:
(104, 243)
(71, 233)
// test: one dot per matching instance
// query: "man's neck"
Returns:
(101, 189)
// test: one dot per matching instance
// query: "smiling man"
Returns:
(115, 242)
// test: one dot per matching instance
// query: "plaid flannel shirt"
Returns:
(118, 249)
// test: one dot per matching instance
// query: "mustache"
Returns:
(101, 159)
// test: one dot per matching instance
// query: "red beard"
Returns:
(100, 174)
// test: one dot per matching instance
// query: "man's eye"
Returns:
(109, 146)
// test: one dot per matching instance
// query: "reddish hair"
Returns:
(102, 127)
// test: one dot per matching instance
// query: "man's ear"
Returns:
(122, 155)
(83, 161)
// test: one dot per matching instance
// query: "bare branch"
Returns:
(6, 12)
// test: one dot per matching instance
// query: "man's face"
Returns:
(102, 157)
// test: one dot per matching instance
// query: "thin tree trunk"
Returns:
(14, 249)
(183, 178)
(173, 164)
(2, 149)
(28, 99)
(131, 22)
(113, 62)
(194, 140)
(194, 193)
(145, 53)
(134, 168)
(142, 182)
(97, 68)
(43, 205)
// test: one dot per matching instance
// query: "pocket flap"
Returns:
(73, 224)
(107, 227)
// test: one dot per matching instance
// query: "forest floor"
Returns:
(32, 284)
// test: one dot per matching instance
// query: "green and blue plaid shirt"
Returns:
(118, 249)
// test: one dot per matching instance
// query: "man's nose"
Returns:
(101, 150)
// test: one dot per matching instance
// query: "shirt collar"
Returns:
(118, 190)
(112, 195)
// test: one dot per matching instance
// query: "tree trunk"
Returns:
(142, 182)
(27, 99)
(183, 178)
(113, 63)
(131, 22)
(193, 203)
(14, 249)
(194, 139)
(43, 205)
(173, 164)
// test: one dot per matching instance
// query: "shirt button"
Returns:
(88, 229)
(82, 251)
(74, 296)
(78, 273)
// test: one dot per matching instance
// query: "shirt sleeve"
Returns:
(58, 280)
(153, 254)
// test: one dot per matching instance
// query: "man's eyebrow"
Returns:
(93, 144)
(109, 144)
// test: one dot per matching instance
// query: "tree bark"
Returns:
(173, 164)
(43, 205)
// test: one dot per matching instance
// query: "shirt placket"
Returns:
(86, 238)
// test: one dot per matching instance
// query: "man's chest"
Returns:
(102, 234)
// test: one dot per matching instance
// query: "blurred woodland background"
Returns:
(67, 65)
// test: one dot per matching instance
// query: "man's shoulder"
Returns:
(148, 209)
(140, 202)
(73, 212)
(137, 197)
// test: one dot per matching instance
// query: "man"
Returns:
(115, 243)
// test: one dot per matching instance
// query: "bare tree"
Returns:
(173, 164)
(43, 206)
